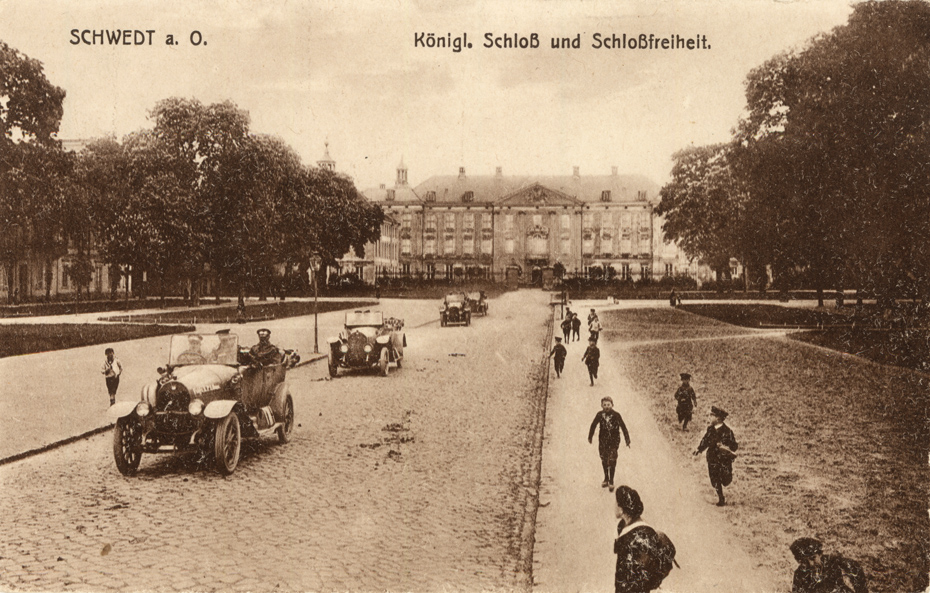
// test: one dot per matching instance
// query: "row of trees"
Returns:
(828, 172)
(197, 194)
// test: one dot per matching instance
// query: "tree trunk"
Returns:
(819, 294)
(48, 279)
(9, 282)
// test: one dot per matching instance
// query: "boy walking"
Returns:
(558, 353)
(592, 359)
(576, 327)
(111, 370)
(567, 328)
(608, 440)
(687, 401)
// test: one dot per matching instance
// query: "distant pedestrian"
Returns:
(592, 359)
(644, 556)
(831, 573)
(576, 327)
(687, 400)
(721, 445)
(112, 369)
(592, 316)
(594, 327)
(567, 328)
(558, 354)
(608, 439)
(673, 298)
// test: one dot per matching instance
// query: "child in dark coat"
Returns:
(610, 423)
(592, 359)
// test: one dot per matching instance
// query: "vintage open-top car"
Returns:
(368, 341)
(479, 302)
(455, 308)
(209, 396)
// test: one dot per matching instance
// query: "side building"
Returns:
(514, 228)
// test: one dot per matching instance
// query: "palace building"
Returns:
(514, 227)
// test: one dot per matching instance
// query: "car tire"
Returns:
(227, 444)
(287, 426)
(127, 445)
(383, 364)
(333, 369)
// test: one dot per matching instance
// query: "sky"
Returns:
(353, 74)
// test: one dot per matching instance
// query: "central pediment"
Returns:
(537, 195)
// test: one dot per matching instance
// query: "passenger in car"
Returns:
(265, 352)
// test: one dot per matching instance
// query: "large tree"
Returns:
(837, 137)
(30, 113)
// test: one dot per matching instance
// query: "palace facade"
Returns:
(515, 227)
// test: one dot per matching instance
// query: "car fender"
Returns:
(219, 408)
(383, 340)
(121, 409)
(280, 397)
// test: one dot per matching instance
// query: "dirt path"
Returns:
(576, 525)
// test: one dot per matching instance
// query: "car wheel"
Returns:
(227, 444)
(383, 362)
(127, 445)
(284, 431)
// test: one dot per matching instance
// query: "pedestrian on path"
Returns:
(644, 556)
(566, 326)
(687, 401)
(594, 326)
(112, 369)
(592, 359)
(576, 327)
(818, 572)
(558, 354)
(721, 445)
(608, 439)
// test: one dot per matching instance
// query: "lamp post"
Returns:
(315, 263)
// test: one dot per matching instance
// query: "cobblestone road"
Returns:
(415, 482)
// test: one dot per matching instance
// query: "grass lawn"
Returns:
(253, 312)
(755, 315)
(24, 338)
(831, 446)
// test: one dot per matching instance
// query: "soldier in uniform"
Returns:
(720, 443)
(687, 400)
(819, 573)
(265, 352)
(559, 353)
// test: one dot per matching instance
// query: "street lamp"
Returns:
(315, 262)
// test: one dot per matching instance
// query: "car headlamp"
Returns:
(344, 348)
(195, 407)
(142, 409)
(367, 348)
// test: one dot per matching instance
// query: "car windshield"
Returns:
(475, 296)
(203, 349)
(455, 298)
(357, 318)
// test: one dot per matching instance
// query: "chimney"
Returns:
(613, 170)
(576, 172)
(461, 172)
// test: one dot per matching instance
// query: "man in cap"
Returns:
(687, 400)
(818, 573)
(558, 353)
(194, 354)
(265, 352)
(720, 443)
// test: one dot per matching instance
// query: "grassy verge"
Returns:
(831, 446)
(98, 306)
(31, 338)
(253, 312)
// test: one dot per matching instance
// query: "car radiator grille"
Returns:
(356, 355)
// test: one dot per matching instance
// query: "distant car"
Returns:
(479, 302)
(209, 396)
(368, 341)
(455, 308)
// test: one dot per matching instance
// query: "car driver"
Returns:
(265, 352)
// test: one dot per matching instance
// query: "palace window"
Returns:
(468, 196)
(431, 196)
(390, 195)
(605, 195)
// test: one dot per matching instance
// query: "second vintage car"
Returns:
(479, 302)
(209, 396)
(368, 342)
(455, 308)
